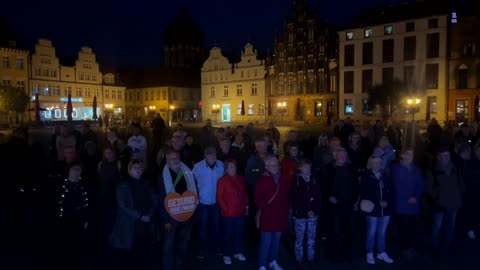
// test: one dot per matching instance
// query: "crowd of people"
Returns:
(107, 190)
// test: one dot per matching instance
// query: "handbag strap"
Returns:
(275, 194)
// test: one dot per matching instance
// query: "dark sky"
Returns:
(130, 32)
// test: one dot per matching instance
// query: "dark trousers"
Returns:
(208, 226)
(175, 246)
(340, 239)
(232, 234)
(408, 231)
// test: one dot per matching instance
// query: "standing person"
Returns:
(100, 123)
(385, 151)
(407, 181)
(135, 209)
(232, 197)
(342, 196)
(207, 173)
(274, 132)
(306, 202)
(158, 127)
(445, 189)
(108, 177)
(138, 144)
(375, 188)
(254, 170)
(175, 177)
(288, 166)
(272, 197)
(65, 139)
(472, 200)
(434, 132)
(73, 214)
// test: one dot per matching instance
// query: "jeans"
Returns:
(232, 232)
(376, 228)
(208, 219)
(448, 219)
(175, 246)
(269, 244)
(305, 227)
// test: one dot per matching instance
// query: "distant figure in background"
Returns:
(100, 123)
(138, 144)
(65, 139)
(158, 127)
(275, 133)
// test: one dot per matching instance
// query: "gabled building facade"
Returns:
(302, 82)
(83, 81)
(234, 92)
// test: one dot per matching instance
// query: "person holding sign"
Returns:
(178, 201)
(207, 172)
(232, 197)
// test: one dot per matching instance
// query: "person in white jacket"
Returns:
(138, 144)
(207, 173)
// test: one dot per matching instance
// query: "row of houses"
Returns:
(427, 46)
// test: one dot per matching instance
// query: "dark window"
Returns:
(431, 73)
(433, 45)
(349, 55)
(462, 77)
(410, 48)
(410, 26)
(367, 79)
(387, 75)
(432, 23)
(409, 75)
(388, 50)
(367, 53)
(348, 82)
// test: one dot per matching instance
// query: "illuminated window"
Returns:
(348, 106)
(251, 109)
(46, 91)
(368, 33)
(388, 30)
(349, 35)
(454, 17)
(239, 109)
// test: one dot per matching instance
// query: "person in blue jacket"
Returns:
(407, 181)
(375, 186)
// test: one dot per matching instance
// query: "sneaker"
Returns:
(370, 259)
(240, 257)
(274, 265)
(471, 235)
(262, 268)
(227, 260)
(384, 257)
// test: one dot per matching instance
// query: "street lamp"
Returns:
(172, 107)
(282, 108)
(414, 104)
(215, 110)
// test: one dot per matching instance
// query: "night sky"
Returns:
(125, 33)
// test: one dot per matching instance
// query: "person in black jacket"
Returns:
(343, 194)
(375, 188)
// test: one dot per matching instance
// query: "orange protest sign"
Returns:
(181, 207)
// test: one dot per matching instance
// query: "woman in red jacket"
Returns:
(232, 197)
(272, 196)
(288, 166)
